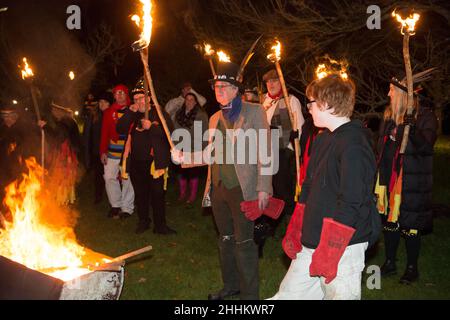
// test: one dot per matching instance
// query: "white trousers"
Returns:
(299, 285)
(122, 198)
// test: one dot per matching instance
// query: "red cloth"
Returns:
(252, 211)
(274, 208)
(292, 240)
(334, 239)
(277, 96)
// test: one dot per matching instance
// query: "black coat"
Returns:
(339, 183)
(143, 142)
(415, 208)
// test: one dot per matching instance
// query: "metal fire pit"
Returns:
(97, 285)
(18, 282)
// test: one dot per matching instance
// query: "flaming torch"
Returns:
(275, 58)
(209, 53)
(141, 45)
(407, 30)
(71, 75)
(27, 73)
(332, 66)
(223, 56)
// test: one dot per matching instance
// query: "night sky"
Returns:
(26, 24)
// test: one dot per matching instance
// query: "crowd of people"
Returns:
(332, 202)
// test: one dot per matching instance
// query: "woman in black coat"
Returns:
(405, 181)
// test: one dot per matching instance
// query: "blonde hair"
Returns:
(396, 110)
(337, 92)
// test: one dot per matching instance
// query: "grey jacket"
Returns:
(252, 178)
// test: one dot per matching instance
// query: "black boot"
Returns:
(388, 268)
(411, 274)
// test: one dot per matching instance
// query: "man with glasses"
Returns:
(331, 226)
(231, 183)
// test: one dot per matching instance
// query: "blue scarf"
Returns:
(232, 110)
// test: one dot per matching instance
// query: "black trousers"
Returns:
(283, 183)
(238, 252)
(99, 181)
(148, 191)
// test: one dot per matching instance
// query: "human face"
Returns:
(185, 90)
(121, 97)
(319, 112)
(225, 92)
(273, 86)
(139, 99)
(10, 119)
(190, 102)
(103, 105)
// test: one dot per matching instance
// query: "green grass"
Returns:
(186, 265)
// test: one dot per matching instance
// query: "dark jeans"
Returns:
(148, 191)
(99, 181)
(238, 252)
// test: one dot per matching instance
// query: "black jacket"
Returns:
(339, 183)
(143, 142)
(415, 208)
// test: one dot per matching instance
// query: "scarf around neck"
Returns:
(232, 111)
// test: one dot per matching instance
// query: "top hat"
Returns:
(227, 72)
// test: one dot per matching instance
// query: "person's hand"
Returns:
(409, 119)
(263, 200)
(134, 107)
(146, 124)
(177, 156)
(42, 123)
(104, 159)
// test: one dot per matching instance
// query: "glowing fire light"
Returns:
(71, 75)
(26, 239)
(208, 50)
(275, 56)
(332, 67)
(407, 24)
(147, 24)
(223, 57)
(26, 71)
(14, 102)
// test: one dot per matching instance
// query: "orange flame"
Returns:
(208, 50)
(28, 240)
(26, 71)
(332, 67)
(223, 57)
(71, 75)
(146, 32)
(407, 24)
(275, 56)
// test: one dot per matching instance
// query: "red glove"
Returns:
(274, 208)
(251, 210)
(334, 239)
(292, 240)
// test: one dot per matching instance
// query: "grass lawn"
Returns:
(186, 265)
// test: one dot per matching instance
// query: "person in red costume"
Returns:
(331, 226)
(121, 197)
